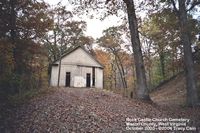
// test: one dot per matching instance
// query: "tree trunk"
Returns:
(60, 59)
(113, 73)
(174, 61)
(162, 64)
(59, 69)
(192, 95)
(149, 43)
(120, 72)
(123, 74)
(142, 90)
(121, 68)
(12, 21)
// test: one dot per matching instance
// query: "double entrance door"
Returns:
(68, 79)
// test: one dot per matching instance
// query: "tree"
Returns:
(181, 12)
(6, 64)
(112, 77)
(104, 58)
(160, 32)
(142, 90)
(112, 41)
(66, 32)
(23, 24)
(183, 9)
(191, 85)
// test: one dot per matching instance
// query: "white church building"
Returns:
(78, 69)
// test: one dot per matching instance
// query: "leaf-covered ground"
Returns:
(86, 110)
(173, 92)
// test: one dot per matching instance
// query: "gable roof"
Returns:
(74, 49)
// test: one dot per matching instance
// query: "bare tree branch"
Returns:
(194, 3)
(175, 8)
(107, 1)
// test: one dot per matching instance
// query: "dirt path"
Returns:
(85, 110)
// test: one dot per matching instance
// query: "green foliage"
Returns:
(162, 39)
(156, 73)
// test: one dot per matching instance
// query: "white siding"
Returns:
(79, 57)
(78, 63)
(54, 76)
(99, 78)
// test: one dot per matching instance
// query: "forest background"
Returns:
(138, 55)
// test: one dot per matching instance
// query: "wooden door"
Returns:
(88, 79)
(68, 78)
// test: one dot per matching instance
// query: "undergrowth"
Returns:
(26, 96)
